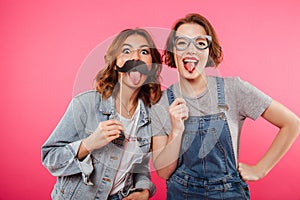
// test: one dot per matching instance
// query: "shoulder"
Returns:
(161, 106)
(234, 83)
(236, 80)
(240, 85)
(87, 94)
(235, 86)
(232, 80)
(162, 100)
(90, 97)
(229, 81)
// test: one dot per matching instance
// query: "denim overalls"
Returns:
(206, 166)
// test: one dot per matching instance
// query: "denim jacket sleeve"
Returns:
(142, 176)
(59, 152)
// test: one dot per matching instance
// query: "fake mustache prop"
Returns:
(133, 65)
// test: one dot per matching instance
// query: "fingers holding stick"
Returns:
(178, 109)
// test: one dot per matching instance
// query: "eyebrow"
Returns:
(142, 46)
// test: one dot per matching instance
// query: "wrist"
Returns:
(86, 146)
(176, 132)
(262, 171)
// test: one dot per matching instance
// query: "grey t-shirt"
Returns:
(243, 99)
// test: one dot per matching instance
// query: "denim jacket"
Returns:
(93, 177)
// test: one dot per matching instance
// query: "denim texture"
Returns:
(206, 166)
(93, 177)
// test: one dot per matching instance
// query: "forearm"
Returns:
(82, 151)
(141, 176)
(142, 181)
(289, 128)
(166, 160)
(61, 161)
(280, 145)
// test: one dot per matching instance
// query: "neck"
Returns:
(193, 87)
(126, 102)
(128, 95)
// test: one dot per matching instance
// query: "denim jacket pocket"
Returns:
(144, 144)
(97, 155)
(68, 186)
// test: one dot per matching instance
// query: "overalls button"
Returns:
(222, 116)
(186, 177)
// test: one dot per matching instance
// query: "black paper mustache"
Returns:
(134, 65)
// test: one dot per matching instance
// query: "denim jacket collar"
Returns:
(108, 107)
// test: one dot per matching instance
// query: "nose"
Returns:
(191, 48)
(135, 55)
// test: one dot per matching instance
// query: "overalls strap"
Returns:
(221, 94)
(220, 89)
(170, 94)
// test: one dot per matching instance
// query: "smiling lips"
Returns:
(190, 63)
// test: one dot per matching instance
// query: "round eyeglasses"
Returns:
(200, 42)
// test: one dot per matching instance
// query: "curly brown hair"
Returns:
(215, 50)
(107, 78)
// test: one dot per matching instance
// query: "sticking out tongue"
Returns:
(189, 66)
(135, 76)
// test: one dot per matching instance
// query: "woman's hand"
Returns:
(141, 195)
(104, 133)
(250, 173)
(178, 113)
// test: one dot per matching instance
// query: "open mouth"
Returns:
(135, 76)
(190, 64)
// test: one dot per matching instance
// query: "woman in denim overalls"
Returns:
(198, 120)
(206, 165)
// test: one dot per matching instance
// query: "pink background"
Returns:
(48, 51)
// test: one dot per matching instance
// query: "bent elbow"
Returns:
(163, 175)
(162, 172)
(294, 124)
(297, 125)
(165, 172)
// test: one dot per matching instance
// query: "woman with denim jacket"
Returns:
(196, 142)
(100, 148)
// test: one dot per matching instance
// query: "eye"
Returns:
(145, 51)
(181, 42)
(202, 42)
(126, 51)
